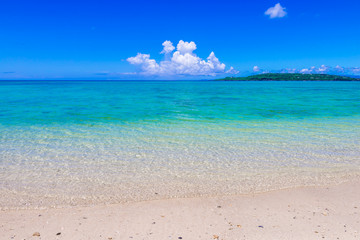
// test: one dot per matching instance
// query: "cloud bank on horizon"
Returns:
(276, 12)
(323, 69)
(181, 62)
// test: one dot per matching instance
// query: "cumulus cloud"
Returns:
(186, 47)
(232, 71)
(168, 47)
(148, 65)
(323, 68)
(182, 62)
(256, 69)
(276, 12)
(305, 70)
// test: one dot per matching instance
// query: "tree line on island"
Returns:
(290, 77)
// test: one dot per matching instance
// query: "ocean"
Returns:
(66, 143)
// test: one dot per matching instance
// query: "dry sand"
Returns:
(303, 213)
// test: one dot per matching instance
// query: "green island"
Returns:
(290, 77)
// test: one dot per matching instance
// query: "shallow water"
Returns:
(96, 142)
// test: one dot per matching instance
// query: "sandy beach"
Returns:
(331, 212)
(179, 120)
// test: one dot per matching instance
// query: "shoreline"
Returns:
(12, 200)
(296, 213)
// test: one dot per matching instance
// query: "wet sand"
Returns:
(331, 212)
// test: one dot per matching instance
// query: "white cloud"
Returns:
(340, 69)
(305, 70)
(232, 71)
(182, 62)
(148, 65)
(256, 69)
(323, 69)
(168, 47)
(186, 47)
(355, 70)
(313, 69)
(276, 12)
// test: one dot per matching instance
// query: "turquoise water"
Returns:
(91, 142)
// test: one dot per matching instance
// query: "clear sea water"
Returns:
(97, 142)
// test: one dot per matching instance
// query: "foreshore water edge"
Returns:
(81, 143)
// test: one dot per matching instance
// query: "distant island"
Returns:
(290, 77)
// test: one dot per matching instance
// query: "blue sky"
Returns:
(98, 39)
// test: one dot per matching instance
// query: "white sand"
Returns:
(303, 213)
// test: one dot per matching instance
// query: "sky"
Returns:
(176, 39)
